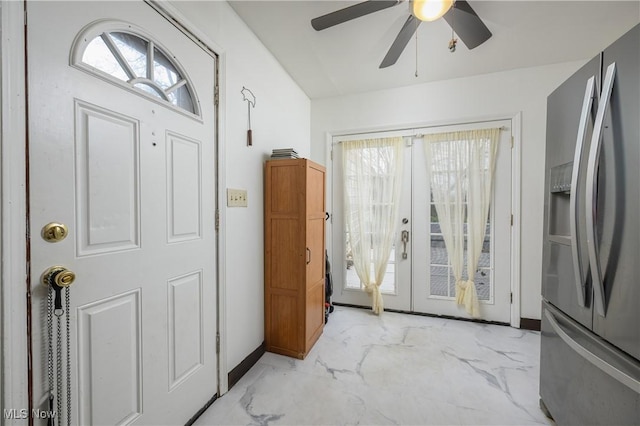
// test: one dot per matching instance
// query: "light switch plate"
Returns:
(236, 197)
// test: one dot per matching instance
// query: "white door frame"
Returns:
(516, 171)
(14, 264)
(14, 224)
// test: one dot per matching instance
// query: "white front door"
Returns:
(121, 151)
(422, 281)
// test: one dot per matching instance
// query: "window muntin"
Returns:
(135, 60)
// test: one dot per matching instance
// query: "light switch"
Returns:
(236, 197)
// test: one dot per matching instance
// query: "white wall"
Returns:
(281, 119)
(498, 95)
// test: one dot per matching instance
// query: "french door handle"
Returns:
(574, 212)
(405, 239)
(591, 198)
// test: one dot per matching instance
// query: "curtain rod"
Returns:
(419, 135)
(414, 135)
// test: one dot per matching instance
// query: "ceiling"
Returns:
(344, 59)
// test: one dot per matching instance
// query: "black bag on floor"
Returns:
(328, 288)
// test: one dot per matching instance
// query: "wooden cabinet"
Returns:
(294, 255)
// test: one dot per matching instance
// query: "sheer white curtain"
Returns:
(462, 166)
(372, 184)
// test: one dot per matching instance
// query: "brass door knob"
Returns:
(59, 275)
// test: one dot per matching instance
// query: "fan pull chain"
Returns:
(416, 53)
(454, 40)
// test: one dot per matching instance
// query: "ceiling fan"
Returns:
(458, 14)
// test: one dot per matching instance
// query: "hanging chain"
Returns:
(67, 302)
(454, 41)
(59, 370)
(50, 344)
(55, 390)
(416, 52)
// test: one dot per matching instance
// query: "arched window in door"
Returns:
(123, 54)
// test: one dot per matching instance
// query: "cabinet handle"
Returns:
(308, 256)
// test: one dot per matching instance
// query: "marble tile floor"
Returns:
(394, 369)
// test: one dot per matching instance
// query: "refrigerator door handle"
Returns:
(591, 198)
(574, 212)
(621, 376)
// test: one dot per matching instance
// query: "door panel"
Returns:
(103, 137)
(133, 179)
(110, 339)
(184, 183)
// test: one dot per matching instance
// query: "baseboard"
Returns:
(241, 369)
(530, 324)
(525, 323)
(422, 314)
(234, 376)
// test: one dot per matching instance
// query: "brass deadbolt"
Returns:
(54, 232)
(62, 277)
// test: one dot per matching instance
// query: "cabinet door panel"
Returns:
(285, 254)
(314, 315)
(315, 190)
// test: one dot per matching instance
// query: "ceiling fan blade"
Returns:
(351, 12)
(403, 37)
(467, 24)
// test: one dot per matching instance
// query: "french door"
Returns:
(419, 276)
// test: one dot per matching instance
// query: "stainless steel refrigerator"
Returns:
(590, 341)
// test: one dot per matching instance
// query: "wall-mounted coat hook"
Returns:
(247, 95)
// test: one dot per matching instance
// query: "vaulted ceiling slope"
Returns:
(344, 59)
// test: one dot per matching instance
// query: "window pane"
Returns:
(98, 55)
(434, 214)
(439, 281)
(126, 57)
(351, 278)
(452, 284)
(438, 251)
(182, 98)
(149, 89)
(482, 280)
(388, 285)
(485, 256)
(164, 73)
(134, 50)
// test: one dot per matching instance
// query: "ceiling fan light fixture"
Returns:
(430, 10)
